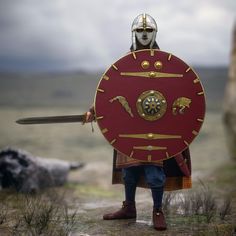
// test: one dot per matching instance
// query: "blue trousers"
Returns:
(155, 178)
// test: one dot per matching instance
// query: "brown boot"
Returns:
(128, 211)
(159, 221)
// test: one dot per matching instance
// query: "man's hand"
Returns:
(89, 115)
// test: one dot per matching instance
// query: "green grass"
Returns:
(93, 191)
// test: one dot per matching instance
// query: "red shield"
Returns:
(150, 105)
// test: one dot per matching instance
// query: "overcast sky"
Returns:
(75, 34)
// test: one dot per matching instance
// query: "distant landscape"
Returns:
(77, 89)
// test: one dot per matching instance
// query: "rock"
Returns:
(29, 174)
(230, 102)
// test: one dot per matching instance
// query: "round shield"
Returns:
(150, 105)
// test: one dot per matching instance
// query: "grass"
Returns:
(201, 211)
(93, 191)
(50, 214)
(36, 215)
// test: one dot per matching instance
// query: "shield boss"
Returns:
(150, 105)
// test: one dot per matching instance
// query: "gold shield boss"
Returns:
(150, 105)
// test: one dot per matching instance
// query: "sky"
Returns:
(64, 35)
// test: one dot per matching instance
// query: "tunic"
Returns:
(177, 170)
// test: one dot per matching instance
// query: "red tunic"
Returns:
(177, 170)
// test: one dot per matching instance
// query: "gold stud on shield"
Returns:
(158, 65)
(145, 64)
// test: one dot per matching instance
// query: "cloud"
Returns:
(72, 34)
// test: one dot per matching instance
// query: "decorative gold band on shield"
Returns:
(150, 136)
(152, 74)
(149, 148)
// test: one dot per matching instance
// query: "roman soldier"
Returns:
(159, 176)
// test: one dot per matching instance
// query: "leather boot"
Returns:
(128, 211)
(158, 218)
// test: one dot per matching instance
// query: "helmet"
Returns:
(144, 29)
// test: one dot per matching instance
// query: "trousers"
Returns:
(154, 176)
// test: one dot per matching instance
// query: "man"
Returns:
(147, 174)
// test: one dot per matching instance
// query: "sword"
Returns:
(51, 119)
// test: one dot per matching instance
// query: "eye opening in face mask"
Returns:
(140, 30)
(149, 30)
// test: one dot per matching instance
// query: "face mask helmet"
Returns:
(144, 29)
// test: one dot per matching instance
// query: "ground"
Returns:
(89, 192)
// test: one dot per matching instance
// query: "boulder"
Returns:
(29, 174)
(230, 102)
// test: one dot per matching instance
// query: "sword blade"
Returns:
(51, 119)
